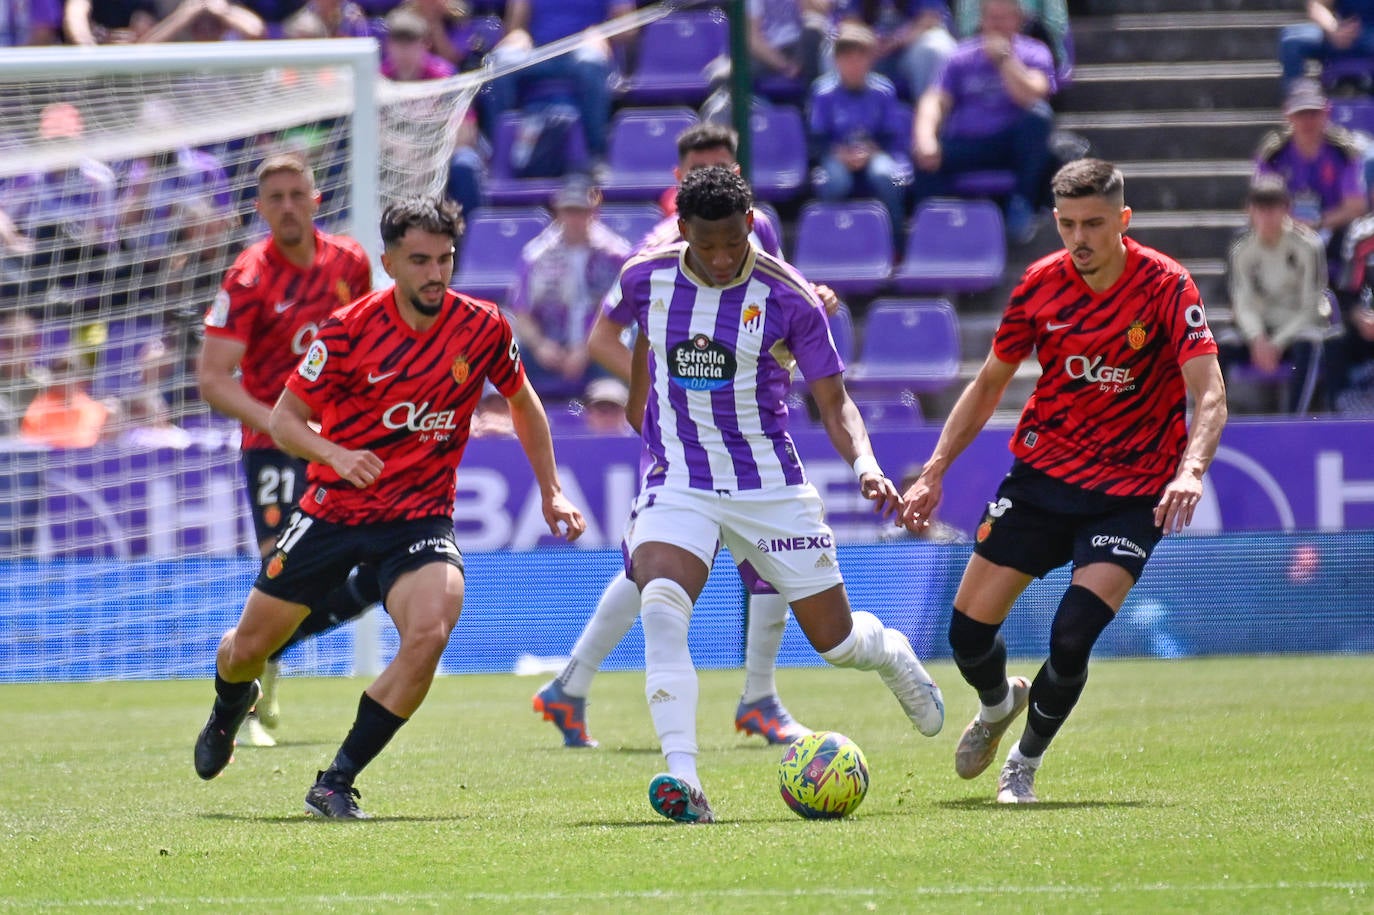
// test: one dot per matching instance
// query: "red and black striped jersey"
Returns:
(275, 309)
(376, 383)
(1108, 413)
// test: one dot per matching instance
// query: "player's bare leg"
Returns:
(859, 640)
(424, 604)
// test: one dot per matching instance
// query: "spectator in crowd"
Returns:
(30, 22)
(1335, 29)
(1045, 20)
(208, 20)
(913, 38)
(858, 130)
(1278, 296)
(565, 271)
(989, 110)
(530, 24)
(1321, 164)
(492, 417)
(18, 348)
(786, 38)
(154, 184)
(605, 401)
(407, 56)
(63, 414)
(275, 13)
(90, 22)
(73, 207)
(329, 19)
(12, 238)
(454, 34)
(1355, 292)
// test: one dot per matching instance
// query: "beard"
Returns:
(428, 311)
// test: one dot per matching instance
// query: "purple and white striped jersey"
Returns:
(720, 364)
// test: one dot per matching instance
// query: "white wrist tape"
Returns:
(866, 463)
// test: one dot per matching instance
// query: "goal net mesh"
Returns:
(125, 199)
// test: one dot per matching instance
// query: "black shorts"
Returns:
(275, 481)
(1039, 523)
(312, 557)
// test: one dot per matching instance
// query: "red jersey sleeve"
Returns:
(235, 310)
(322, 376)
(1184, 318)
(507, 372)
(1015, 337)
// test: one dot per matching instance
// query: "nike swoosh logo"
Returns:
(1043, 714)
(1052, 326)
(1118, 550)
(373, 377)
(282, 306)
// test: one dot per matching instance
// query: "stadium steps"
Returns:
(1178, 37)
(1101, 8)
(1154, 86)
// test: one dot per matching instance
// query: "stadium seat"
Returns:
(674, 53)
(993, 183)
(842, 332)
(1354, 114)
(643, 150)
(504, 188)
(847, 245)
(631, 221)
(953, 246)
(119, 358)
(779, 152)
(909, 345)
(492, 243)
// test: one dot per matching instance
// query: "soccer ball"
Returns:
(823, 776)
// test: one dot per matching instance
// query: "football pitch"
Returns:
(1229, 785)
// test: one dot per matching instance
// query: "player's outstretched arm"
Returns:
(970, 414)
(605, 346)
(215, 372)
(849, 436)
(290, 428)
(532, 428)
(639, 385)
(1207, 389)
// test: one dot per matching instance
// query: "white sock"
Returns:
(614, 615)
(670, 680)
(1031, 761)
(865, 648)
(991, 713)
(767, 620)
(684, 766)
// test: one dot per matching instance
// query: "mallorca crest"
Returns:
(460, 369)
(1135, 334)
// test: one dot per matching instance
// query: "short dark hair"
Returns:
(1089, 178)
(700, 137)
(713, 193)
(429, 214)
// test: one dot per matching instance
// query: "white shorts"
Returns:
(780, 532)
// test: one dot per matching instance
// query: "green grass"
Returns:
(1221, 785)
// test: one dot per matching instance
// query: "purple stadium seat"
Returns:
(842, 332)
(779, 152)
(953, 246)
(503, 188)
(631, 221)
(490, 257)
(673, 56)
(118, 368)
(1357, 69)
(847, 245)
(643, 150)
(908, 345)
(984, 184)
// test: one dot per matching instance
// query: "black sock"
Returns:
(229, 697)
(371, 731)
(345, 602)
(981, 656)
(1052, 697)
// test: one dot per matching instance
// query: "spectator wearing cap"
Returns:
(1046, 20)
(914, 40)
(1335, 29)
(565, 271)
(30, 22)
(604, 403)
(988, 109)
(1278, 296)
(858, 130)
(407, 56)
(1321, 165)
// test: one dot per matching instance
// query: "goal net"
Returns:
(126, 190)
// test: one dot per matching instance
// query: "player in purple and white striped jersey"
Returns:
(721, 325)
(760, 711)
